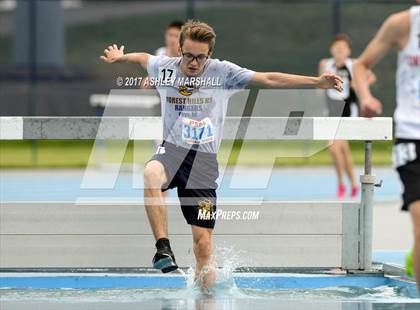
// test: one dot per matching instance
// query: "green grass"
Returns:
(71, 154)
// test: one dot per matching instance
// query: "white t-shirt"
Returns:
(194, 109)
(407, 113)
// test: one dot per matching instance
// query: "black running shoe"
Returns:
(164, 259)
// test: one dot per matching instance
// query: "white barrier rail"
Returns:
(148, 128)
(256, 128)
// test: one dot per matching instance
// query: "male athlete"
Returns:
(341, 64)
(172, 32)
(402, 30)
(194, 95)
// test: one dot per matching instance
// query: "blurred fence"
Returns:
(287, 36)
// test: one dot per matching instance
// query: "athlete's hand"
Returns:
(330, 80)
(370, 107)
(113, 53)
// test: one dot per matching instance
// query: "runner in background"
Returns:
(401, 30)
(341, 64)
(171, 48)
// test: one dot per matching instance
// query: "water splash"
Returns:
(229, 258)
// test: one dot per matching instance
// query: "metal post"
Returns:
(368, 181)
(33, 74)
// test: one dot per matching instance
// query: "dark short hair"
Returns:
(341, 37)
(175, 24)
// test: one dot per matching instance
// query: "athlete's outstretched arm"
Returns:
(380, 45)
(114, 54)
(283, 80)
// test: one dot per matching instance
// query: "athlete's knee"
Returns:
(153, 174)
(334, 148)
(202, 247)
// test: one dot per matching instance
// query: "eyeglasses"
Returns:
(188, 57)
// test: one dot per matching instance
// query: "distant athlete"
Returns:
(171, 48)
(172, 32)
(193, 118)
(403, 31)
(341, 64)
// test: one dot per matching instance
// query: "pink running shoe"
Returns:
(354, 191)
(341, 191)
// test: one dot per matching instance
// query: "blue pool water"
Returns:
(232, 291)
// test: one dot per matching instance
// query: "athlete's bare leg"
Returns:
(415, 215)
(336, 154)
(348, 162)
(154, 178)
(205, 271)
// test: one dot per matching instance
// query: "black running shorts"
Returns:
(406, 157)
(194, 175)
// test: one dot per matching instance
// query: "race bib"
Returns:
(403, 153)
(166, 75)
(197, 132)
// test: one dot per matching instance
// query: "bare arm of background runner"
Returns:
(380, 45)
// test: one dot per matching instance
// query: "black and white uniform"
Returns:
(406, 152)
(341, 103)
